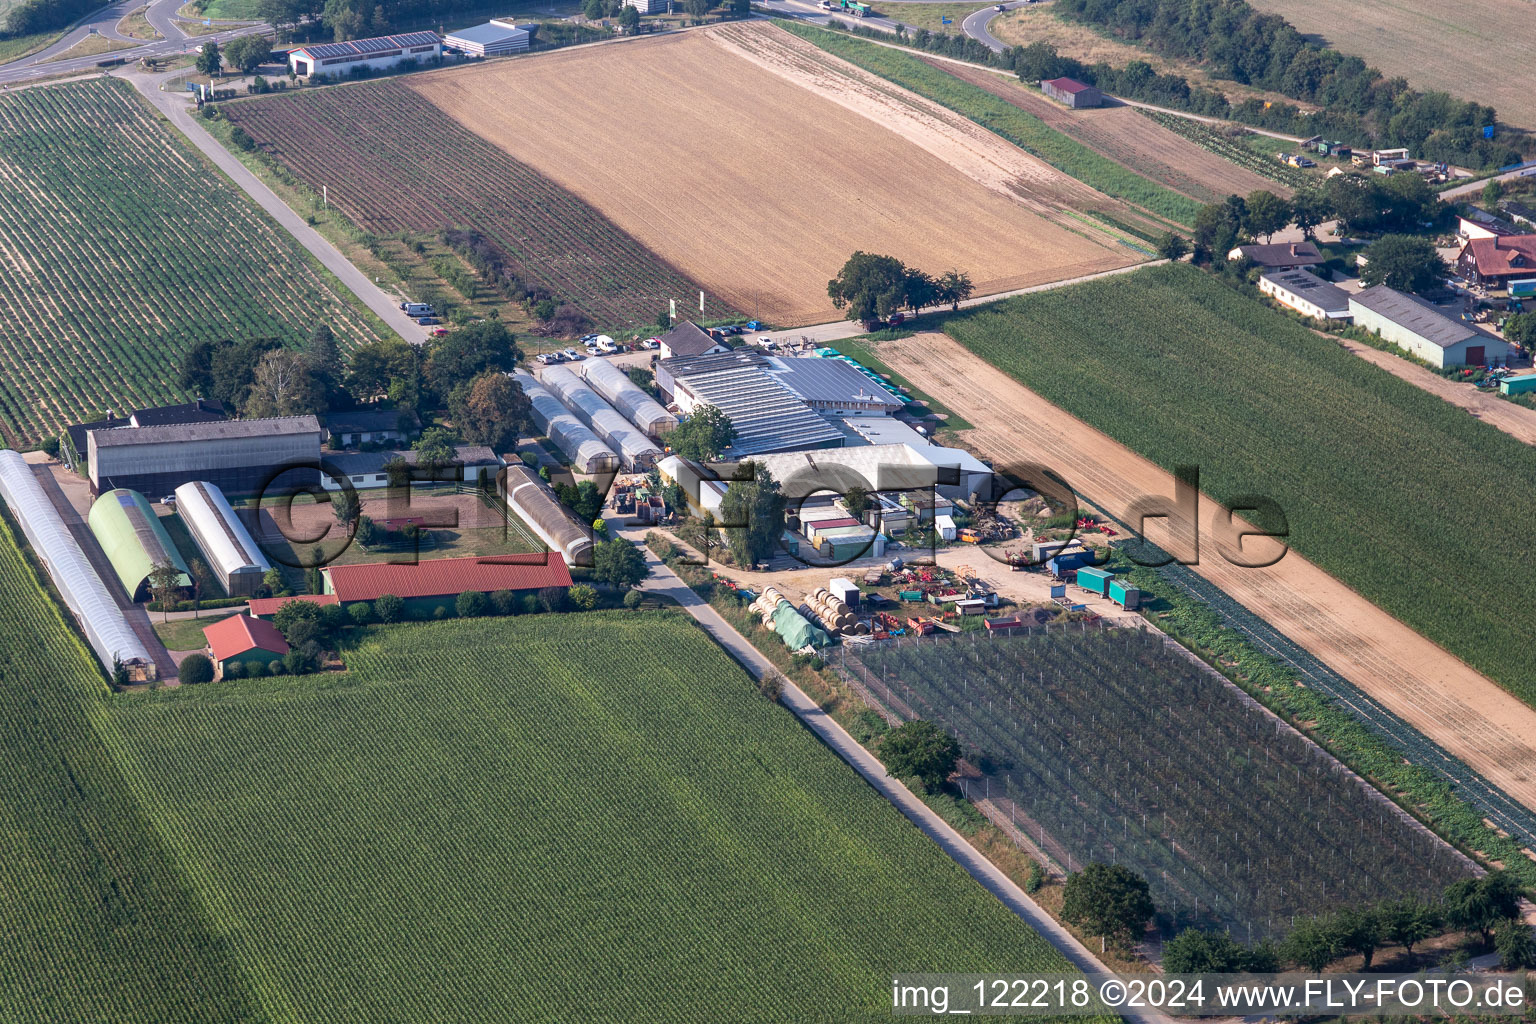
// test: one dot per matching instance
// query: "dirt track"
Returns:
(1463, 711)
(758, 173)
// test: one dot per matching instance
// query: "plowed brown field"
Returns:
(757, 164)
(1460, 709)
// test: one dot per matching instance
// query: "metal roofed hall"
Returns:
(221, 430)
(636, 451)
(85, 593)
(375, 44)
(588, 452)
(446, 577)
(768, 417)
(628, 397)
(1415, 314)
(831, 385)
(225, 542)
(134, 540)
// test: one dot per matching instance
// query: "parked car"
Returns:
(1000, 7)
(439, 332)
(572, 354)
(650, 343)
(169, 500)
(428, 321)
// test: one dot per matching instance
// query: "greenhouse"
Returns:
(628, 397)
(636, 451)
(226, 544)
(535, 504)
(587, 452)
(134, 540)
(84, 592)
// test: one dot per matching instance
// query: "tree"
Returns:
(434, 449)
(870, 287)
(201, 577)
(698, 8)
(468, 352)
(323, 356)
(164, 581)
(195, 668)
(1266, 214)
(368, 533)
(1309, 208)
(360, 613)
(619, 563)
(753, 513)
(584, 597)
(1110, 901)
(592, 9)
(920, 750)
(1404, 262)
(552, 598)
(388, 608)
(470, 604)
(300, 622)
(1408, 921)
(248, 52)
(856, 499)
(382, 368)
(1217, 228)
(491, 409)
(1520, 329)
(1517, 950)
(1358, 930)
(629, 19)
(919, 290)
(272, 581)
(1193, 951)
(1493, 191)
(283, 385)
(1479, 904)
(209, 60)
(348, 509)
(1172, 246)
(704, 435)
(954, 288)
(1309, 945)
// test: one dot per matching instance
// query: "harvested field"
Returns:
(1439, 695)
(1468, 49)
(1127, 137)
(757, 164)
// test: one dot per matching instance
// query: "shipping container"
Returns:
(1095, 580)
(1128, 597)
(1519, 384)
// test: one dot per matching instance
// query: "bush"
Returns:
(584, 597)
(504, 602)
(255, 669)
(470, 604)
(440, 612)
(361, 613)
(1035, 878)
(295, 663)
(530, 604)
(196, 668)
(920, 750)
(276, 667)
(389, 608)
(633, 599)
(242, 138)
(234, 670)
(1109, 901)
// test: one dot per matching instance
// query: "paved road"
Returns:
(178, 108)
(1477, 186)
(161, 15)
(663, 581)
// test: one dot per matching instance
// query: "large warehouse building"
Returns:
(85, 593)
(236, 456)
(377, 52)
(495, 38)
(227, 546)
(1413, 324)
(135, 541)
(767, 415)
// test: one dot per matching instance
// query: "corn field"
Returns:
(1114, 746)
(572, 818)
(119, 249)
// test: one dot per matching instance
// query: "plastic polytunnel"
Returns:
(587, 452)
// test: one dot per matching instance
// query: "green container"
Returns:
(1126, 596)
(910, 595)
(1096, 580)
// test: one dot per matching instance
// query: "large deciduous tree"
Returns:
(1404, 262)
(869, 286)
(491, 409)
(920, 750)
(704, 435)
(1266, 214)
(752, 512)
(619, 563)
(283, 385)
(1110, 901)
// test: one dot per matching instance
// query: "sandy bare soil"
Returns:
(757, 164)
(1129, 138)
(1473, 49)
(1458, 708)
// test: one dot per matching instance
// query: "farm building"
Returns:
(1413, 324)
(266, 607)
(134, 540)
(625, 395)
(84, 592)
(227, 546)
(428, 585)
(1306, 293)
(1481, 224)
(237, 456)
(472, 464)
(1069, 92)
(767, 415)
(686, 339)
(649, 6)
(635, 450)
(1279, 256)
(74, 445)
(495, 38)
(832, 387)
(535, 503)
(1518, 212)
(1494, 262)
(243, 639)
(369, 426)
(881, 430)
(895, 467)
(375, 53)
(587, 452)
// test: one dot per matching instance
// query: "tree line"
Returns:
(872, 287)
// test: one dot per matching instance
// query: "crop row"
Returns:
(591, 817)
(438, 174)
(1214, 140)
(1413, 512)
(119, 251)
(1124, 752)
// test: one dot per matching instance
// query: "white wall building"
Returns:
(375, 53)
(1306, 293)
(496, 38)
(1418, 327)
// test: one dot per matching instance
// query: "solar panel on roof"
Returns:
(377, 44)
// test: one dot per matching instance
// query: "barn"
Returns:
(1069, 92)
(429, 585)
(227, 546)
(495, 38)
(1306, 293)
(237, 456)
(134, 540)
(1413, 324)
(686, 339)
(375, 53)
(241, 638)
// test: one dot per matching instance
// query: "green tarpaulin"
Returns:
(795, 630)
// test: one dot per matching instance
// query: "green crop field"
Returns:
(1019, 127)
(119, 249)
(1401, 495)
(97, 924)
(554, 818)
(1127, 752)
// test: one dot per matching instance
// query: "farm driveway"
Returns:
(175, 106)
(1464, 712)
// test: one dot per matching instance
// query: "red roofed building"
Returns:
(1069, 92)
(243, 639)
(426, 586)
(1495, 262)
(266, 607)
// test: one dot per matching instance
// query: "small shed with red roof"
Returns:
(266, 607)
(1069, 92)
(241, 638)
